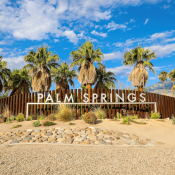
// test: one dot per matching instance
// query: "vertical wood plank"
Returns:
(120, 105)
(35, 106)
(75, 110)
(109, 92)
(106, 106)
(79, 101)
(117, 106)
(126, 99)
(29, 100)
(32, 106)
(16, 110)
(14, 105)
(82, 101)
(113, 106)
(25, 105)
(53, 97)
(87, 105)
(45, 109)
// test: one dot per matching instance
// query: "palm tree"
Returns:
(19, 82)
(104, 79)
(172, 77)
(84, 57)
(141, 58)
(163, 76)
(4, 72)
(40, 64)
(63, 76)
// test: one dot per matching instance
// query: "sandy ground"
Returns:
(154, 129)
(40, 159)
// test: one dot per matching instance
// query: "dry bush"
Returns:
(100, 113)
(64, 113)
(90, 117)
(51, 117)
(6, 112)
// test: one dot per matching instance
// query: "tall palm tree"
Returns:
(40, 64)
(163, 76)
(104, 79)
(4, 72)
(172, 77)
(141, 58)
(19, 82)
(84, 57)
(63, 76)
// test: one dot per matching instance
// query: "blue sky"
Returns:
(115, 26)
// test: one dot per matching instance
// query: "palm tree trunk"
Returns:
(140, 89)
(173, 90)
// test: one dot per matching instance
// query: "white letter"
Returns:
(117, 96)
(86, 101)
(49, 98)
(94, 96)
(111, 97)
(57, 99)
(66, 98)
(133, 97)
(40, 96)
(103, 96)
(142, 97)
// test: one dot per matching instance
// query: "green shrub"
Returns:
(17, 126)
(64, 113)
(20, 117)
(51, 117)
(36, 123)
(41, 117)
(100, 113)
(119, 116)
(69, 123)
(12, 118)
(48, 123)
(134, 117)
(29, 118)
(8, 120)
(82, 116)
(155, 115)
(173, 121)
(90, 117)
(126, 120)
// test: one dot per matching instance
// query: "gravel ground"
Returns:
(56, 159)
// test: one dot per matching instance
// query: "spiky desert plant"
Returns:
(40, 64)
(163, 76)
(172, 77)
(141, 58)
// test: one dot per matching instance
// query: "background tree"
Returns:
(141, 58)
(104, 79)
(84, 57)
(4, 73)
(163, 76)
(172, 77)
(40, 64)
(63, 77)
(19, 82)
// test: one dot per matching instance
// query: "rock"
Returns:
(69, 141)
(52, 139)
(94, 138)
(44, 139)
(160, 143)
(103, 142)
(78, 139)
(96, 142)
(108, 133)
(84, 143)
(19, 133)
(137, 142)
(38, 140)
(75, 134)
(27, 139)
(37, 130)
(34, 133)
(151, 144)
(49, 134)
(108, 143)
(61, 139)
(15, 141)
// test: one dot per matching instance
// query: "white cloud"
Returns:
(15, 62)
(56, 40)
(99, 34)
(113, 56)
(114, 26)
(152, 78)
(132, 20)
(162, 50)
(146, 21)
(166, 6)
(121, 70)
(169, 40)
(161, 35)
